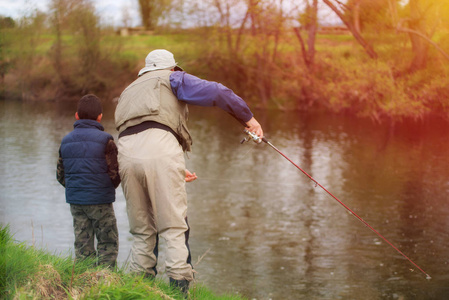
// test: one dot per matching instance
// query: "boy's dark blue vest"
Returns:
(86, 173)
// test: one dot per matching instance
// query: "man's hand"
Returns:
(254, 126)
(190, 176)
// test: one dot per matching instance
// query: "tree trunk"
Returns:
(393, 8)
(240, 32)
(252, 9)
(418, 36)
(313, 26)
(308, 52)
(146, 9)
(356, 16)
(278, 30)
(307, 87)
(303, 46)
(419, 46)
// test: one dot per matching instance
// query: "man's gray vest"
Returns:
(150, 98)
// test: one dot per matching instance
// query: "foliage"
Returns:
(433, 12)
(5, 63)
(20, 50)
(370, 90)
(431, 88)
(7, 22)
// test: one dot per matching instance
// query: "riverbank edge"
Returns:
(30, 273)
(315, 110)
(343, 79)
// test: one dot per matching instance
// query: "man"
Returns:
(151, 117)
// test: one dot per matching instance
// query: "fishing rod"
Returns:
(252, 136)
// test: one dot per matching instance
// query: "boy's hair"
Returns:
(89, 107)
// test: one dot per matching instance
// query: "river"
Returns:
(259, 227)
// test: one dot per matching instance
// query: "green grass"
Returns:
(30, 273)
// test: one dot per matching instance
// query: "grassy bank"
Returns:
(343, 78)
(30, 273)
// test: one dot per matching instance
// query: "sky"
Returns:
(111, 11)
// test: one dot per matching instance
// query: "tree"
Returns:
(356, 15)
(20, 56)
(152, 10)
(224, 12)
(417, 24)
(248, 34)
(424, 16)
(126, 16)
(76, 66)
(310, 24)
(7, 22)
(368, 14)
(4, 44)
(341, 14)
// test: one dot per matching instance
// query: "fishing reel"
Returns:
(251, 136)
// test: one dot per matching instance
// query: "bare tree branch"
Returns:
(407, 30)
(369, 50)
(303, 46)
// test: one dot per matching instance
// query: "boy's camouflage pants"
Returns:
(95, 220)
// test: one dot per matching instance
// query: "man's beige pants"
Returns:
(152, 170)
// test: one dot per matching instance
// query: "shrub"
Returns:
(370, 90)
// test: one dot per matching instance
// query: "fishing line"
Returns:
(251, 149)
(239, 158)
(258, 140)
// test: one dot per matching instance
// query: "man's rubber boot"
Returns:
(149, 276)
(183, 285)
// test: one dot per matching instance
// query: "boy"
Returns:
(88, 169)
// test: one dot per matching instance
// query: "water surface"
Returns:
(261, 228)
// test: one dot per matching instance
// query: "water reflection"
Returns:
(260, 228)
